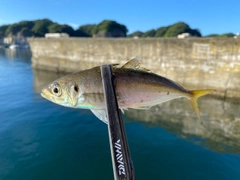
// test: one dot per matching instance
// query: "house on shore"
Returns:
(56, 35)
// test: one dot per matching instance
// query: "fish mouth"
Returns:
(46, 94)
(49, 96)
(43, 95)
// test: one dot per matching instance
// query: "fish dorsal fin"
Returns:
(134, 63)
(114, 65)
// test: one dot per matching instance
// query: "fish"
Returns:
(136, 88)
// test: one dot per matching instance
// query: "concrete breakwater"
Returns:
(193, 63)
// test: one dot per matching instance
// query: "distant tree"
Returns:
(2, 30)
(16, 28)
(87, 29)
(227, 35)
(26, 32)
(13, 29)
(150, 33)
(111, 27)
(106, 28)
(221, 35)
(40, 27)
(58, 28)
(179, 28)
(160, 32)
(195, 32)
(36, 28)
(212, 35)
(80, 33)
(68, 29)
(136, 33)
(27, 24)
(176, 29)
(54, 28)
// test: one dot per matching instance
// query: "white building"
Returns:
(184, 35)
(56, 35)
(8, 40)
(237, 36)
(14, 40)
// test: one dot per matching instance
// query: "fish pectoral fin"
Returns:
(101, 114)
(134, 63)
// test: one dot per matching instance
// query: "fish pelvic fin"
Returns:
(197, 94)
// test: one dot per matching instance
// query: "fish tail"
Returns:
(197, 94)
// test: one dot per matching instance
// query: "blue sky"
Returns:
(210, 16)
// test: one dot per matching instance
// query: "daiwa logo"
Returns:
(119, 156)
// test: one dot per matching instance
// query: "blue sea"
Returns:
(40, 140)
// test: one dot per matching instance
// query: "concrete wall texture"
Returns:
(195, 63)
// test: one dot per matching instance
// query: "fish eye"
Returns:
(56, 90)
(76, 88)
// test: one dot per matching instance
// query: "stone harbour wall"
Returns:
(195, 63)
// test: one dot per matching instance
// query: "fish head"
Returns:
(62, 92)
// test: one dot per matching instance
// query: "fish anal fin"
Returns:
(197, 94)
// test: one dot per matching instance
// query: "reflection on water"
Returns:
(14, 54)
(42, 78)
(218, 128)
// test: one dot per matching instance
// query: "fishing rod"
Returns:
(121, 159)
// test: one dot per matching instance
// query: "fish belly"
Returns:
(136, 98)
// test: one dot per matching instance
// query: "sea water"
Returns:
(40, 140)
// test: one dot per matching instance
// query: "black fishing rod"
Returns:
(121, 159)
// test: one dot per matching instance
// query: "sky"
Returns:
(209, 16)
